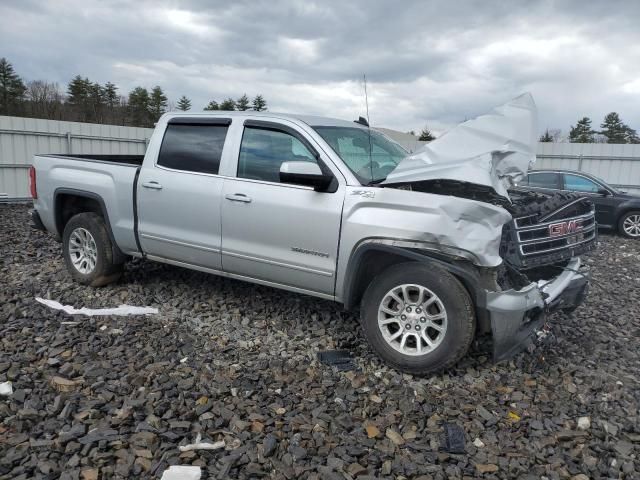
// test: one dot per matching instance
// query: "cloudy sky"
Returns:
(427, 63)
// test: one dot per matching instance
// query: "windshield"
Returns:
(370, 159)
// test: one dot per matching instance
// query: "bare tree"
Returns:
(45, 99)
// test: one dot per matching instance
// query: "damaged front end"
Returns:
(518, 317)
(540, 270)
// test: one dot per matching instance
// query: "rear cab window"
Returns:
(193, 146)
(543, 180)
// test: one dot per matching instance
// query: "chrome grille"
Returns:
(554, 236)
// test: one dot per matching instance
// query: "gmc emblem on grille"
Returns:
(563, 228)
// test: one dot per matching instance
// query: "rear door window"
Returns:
(192, 148)
(543, 180)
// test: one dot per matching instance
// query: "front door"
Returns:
(604, 204)
(179, 196)
(275, 232)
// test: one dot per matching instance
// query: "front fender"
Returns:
(409, 251)
(627, 205)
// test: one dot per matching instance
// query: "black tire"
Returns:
(461, 321)
(105, 270)
(623, 217)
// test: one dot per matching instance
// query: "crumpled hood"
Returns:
(494, 150)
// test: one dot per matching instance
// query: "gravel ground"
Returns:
(114, 397)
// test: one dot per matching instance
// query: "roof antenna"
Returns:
(366, 101)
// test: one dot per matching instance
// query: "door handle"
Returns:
(238, 197)
(152, 184)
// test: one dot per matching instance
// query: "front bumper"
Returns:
(518, 315)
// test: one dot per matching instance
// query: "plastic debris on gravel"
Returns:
(121, 311)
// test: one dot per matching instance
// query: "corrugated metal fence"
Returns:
(22, 138)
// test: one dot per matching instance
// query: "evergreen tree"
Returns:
(259, 103)
(84, 98)
(157, 103)
(426, 135)
(228, 105)
(110, 95)
(213, 105)
(242, 103)
(78, 90)
(12, 88)
(582, 132)
(632, 136)
(614, 129)
(95, 102)
(184, 104)
(546, 137)
(139, 107)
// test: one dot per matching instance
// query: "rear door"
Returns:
(179, 195)
(605, 204)
(276, 232)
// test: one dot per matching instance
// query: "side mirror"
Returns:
(603, 191)
(305, 173)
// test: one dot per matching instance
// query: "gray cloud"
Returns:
(433, 63)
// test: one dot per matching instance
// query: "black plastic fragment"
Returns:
(340, 359)
(452, 441)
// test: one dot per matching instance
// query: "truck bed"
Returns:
(109, 178)
(134, 160)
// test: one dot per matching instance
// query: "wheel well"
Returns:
(624, 211)
(374, 261)
(68, 205)
(370, 265)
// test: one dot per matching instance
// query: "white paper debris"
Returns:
(6, 389)
(198, 445)
(584, 423)
(180, 472)
(122, 310)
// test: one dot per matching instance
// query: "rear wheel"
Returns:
(629, 224)
(88, 251)
(418, 318)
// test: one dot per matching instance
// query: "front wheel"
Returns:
(418, 318)
(87, 251)
(629, 224)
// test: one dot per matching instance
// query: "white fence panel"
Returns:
(22, 138)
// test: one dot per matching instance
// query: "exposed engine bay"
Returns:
(545, 232)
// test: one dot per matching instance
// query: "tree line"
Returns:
(613, 130)
(88, 101)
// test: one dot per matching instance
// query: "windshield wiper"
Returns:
(376, 182)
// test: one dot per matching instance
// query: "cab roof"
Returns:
(311, 120)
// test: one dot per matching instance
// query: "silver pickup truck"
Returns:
(431, 248)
